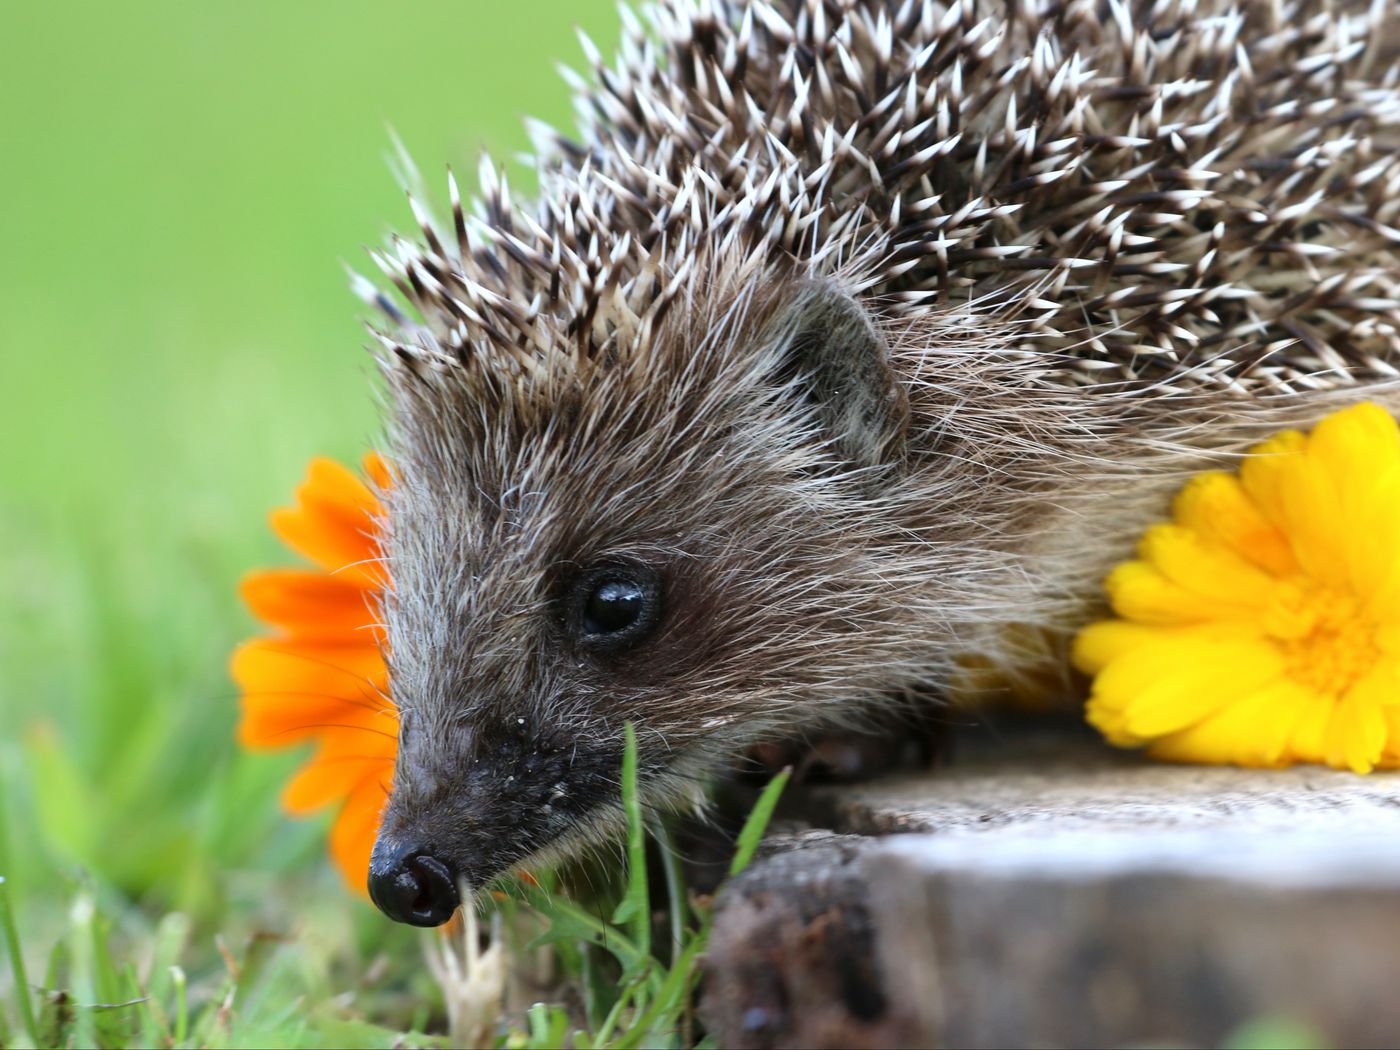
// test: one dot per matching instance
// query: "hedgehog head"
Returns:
(676, 532)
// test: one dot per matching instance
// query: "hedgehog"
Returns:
(843, 338)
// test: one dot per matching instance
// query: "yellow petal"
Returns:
(1209, 570)
(1380, 687)
(1216, 506)
(1359, 731)
(1252, 731)
(1294, 491)
(1355, 444)
(1309, 735)
(1260, 478)
(1106, 713)
(1355, 737)
(1390, 754)
(1372, 509)
(1106, 640)
(1138, 591)
(1316, 524)
(1359, 449)
(1168, 685)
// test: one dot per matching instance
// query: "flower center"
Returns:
(1328, 641)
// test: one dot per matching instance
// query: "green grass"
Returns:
(182, 183)
(650, 1004)
(101, 988)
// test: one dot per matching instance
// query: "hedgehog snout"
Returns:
(464, 816)
(408, 883)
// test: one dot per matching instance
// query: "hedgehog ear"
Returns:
(827, 341)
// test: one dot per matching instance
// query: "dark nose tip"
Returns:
(410, 885)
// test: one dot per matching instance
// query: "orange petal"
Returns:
(309, 604)
(334, 523)
(325, 679)
(355, 827)
(272, 720)
(377, 470)
(294, 690)
(341, 762)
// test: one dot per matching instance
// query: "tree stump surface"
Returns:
(1045, 890)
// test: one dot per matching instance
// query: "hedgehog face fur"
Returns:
(850, 335)
(714, 490)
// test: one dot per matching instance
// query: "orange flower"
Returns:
(320, 675)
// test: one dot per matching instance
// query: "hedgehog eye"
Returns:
(614, 607)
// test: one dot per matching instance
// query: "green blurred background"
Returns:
(179, 186)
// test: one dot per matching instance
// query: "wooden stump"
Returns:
(1047, 891)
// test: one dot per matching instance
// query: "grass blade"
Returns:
(757, 822)
(635, 909)
(567, 919)
(671, 997)
(22, 993)
(675, 888)
(182, 1008)
(83, 977)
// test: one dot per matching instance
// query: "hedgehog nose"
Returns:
(409, 884)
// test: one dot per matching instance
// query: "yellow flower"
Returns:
(1261, 627)
(320, 676)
